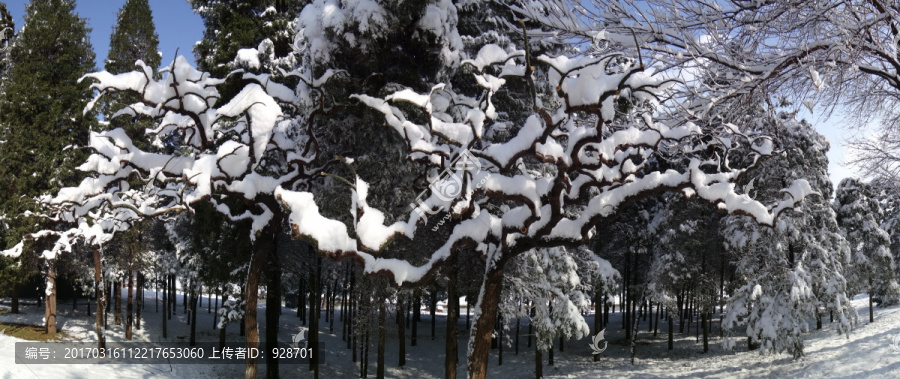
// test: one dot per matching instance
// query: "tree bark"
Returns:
(434, 300)
(192, 305)
(118, 295)
(414, 337)
(165, 301)
(273, 311)
(15, 299)
(315, 307)
(224, 323)
(257, 262)
(382, 321)
(704, 320)
(484, 323)
(50, 310)
(401, 332)
(598, 317)
(129, 308)
(98, 284)
(871, 310)
(140, 301)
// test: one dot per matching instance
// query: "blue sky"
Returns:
(176, 24)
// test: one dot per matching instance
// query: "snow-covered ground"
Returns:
(871, 351)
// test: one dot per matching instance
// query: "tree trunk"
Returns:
(301, 300)
(401, 332)
(108, 300)
(434, 300)
(382, 321)
(315, 307)
(15, 299)
(224, 323)
(818, 318)
(656, 323)
(140, 301)
(129, 308)
(165, 301)
(871, 310)
(500, 340)
(531, 324)
(550, 353)
(188, 295)
(484, 323)
(351, 307)
(118, 294)
(333, 303)
(192, 314)
(538, 363)
(671, 331)
(273, 311)
(414, 338)
(98, 284)
(598, 317)
(50, 310)
(704, 320)
(257, 262)
(518, 326)
(451, 355)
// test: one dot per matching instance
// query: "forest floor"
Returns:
(871, 350)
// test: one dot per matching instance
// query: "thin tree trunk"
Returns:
(871, 307)
(165, 301)
(194, 299)
(401, 332)
(140, 301)
(671, 331)
(656, 323)
(50, 310)
(451, 354)
(118, 295)
(415, 322)
(315, 307)
(434, 300)
(598, 317)
(129, 308)
(216, 309)
(273, 311)
(223, 322)
(704, 319)
(98, 284)
(382, 326)
(538, 363)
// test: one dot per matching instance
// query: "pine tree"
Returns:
(7, 33)
(234, 25)
(41, 111)
(787, 273)
(133, 38)
(860, 217)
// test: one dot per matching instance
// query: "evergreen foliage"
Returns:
(41, 110)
